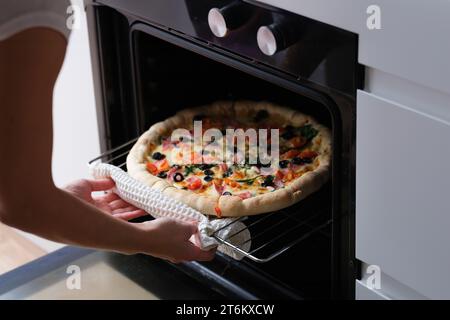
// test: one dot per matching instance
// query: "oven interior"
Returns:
(147, 79)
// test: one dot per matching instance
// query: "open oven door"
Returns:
(75, 273)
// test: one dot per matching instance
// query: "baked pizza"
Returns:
(233, 159)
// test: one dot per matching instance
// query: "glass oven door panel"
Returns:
(100, 275)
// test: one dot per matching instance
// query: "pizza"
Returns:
(234, 158)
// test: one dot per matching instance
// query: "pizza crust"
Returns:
(233, 206)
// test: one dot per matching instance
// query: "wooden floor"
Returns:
(16, 250)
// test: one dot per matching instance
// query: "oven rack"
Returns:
(272, 233)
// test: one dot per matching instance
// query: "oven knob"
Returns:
(228, 18)
(277, 36)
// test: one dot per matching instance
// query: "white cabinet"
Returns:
(403, 194)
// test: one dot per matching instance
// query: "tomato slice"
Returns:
(152, 168)
(288, 177)
(290, 154)
(163, 165)
(279, 175)
(231, 183)
(308, 154)
(194, 183)
(297, 142)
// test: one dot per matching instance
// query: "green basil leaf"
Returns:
(308, 132)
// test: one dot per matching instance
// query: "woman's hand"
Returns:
(110, 202)
(167, 239)
(174, 240)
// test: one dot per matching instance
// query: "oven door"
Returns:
(75, 273)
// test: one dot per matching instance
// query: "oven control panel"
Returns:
(228, 18)
(279, 35)
(301, 48)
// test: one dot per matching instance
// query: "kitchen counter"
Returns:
(100, 275)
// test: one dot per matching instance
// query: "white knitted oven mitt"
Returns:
(159, 205)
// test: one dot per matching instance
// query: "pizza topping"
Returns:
(297, 142)
(245, 195)
(162, 165)
(278, 183)
(279, 175)
(268, 181)
(288, 176)
(308, 132)
(189, 170)
(248, 181)
(290, 154)
(308, 154)
(208, 172)
(298, 137)
(205, 166)
(172, 172)
(194, 183)
(231, 183)
(152, 168)
(297, 161)
(208, 178)
(287, 135)
(162, 175)
(227, 173)
(178, 177)
(158, 156)
(218, 185)
(284, 164)
(239, 175)
(297, 156)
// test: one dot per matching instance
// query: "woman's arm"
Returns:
(29, 65)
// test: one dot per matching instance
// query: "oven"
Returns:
(154, 58)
